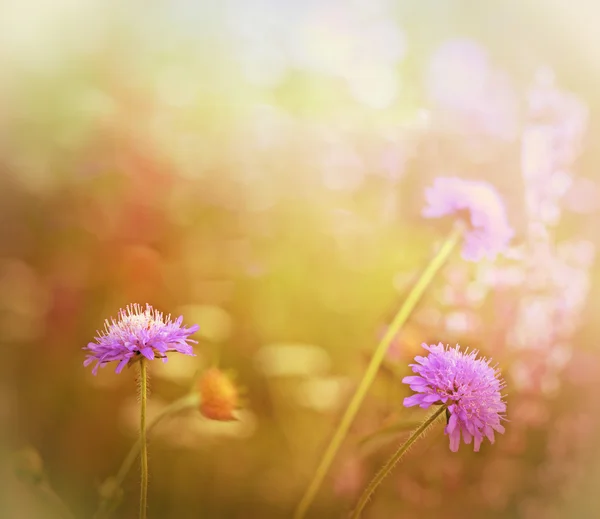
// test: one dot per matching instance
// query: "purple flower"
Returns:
(488, 232)
(469, 385)
(139, 332)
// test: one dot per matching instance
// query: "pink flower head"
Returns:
(139, 332)
(488, 232)
(469, 385)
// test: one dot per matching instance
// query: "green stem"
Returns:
(405, 310)
(399, 426)
(387, 468)
(191, 401)
(48, 494)
(188, 402)
(143, 443)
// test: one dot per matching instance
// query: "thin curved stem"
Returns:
(399, 426)
(143, 443)
(51, 497)
(187, 402)
(391, 463)
(348, 417)
(191, 401)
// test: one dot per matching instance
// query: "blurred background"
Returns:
(259, 166)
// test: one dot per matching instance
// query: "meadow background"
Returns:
(259, 167)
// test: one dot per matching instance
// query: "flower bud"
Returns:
(28, 465)
(219, 396)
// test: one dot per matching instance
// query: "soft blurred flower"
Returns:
(551, 141)
(219, 396)
(349, 478)
(469, 385)
(457, 73)
(28, 465)
(280, 360)
(488, 232)
(463, 83)
(139, 332)
(323, 393)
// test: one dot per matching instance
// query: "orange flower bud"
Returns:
(219, 395)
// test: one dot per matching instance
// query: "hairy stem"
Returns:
(391, 463)
(143, 443)
(191, 401)
(348, 417)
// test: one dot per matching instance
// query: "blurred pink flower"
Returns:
(488, 231)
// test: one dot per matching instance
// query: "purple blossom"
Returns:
(488, 231)
(138, 332)
(469, 385)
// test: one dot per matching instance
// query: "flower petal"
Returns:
(455, 440)
(410, 401)
(414, 380)
(148, 353)
(121, 365)
(467, 436)
(452, 423)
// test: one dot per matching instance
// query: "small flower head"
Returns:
(219, 396)
(28, 465)
(488, 232)
(470, 387)
(139, 332)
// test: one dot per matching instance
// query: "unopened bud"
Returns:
(28, 465)
(219, 396)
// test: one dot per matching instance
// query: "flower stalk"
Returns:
(143, 442)
(369, 376)
(113, 484)
(396, 457)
